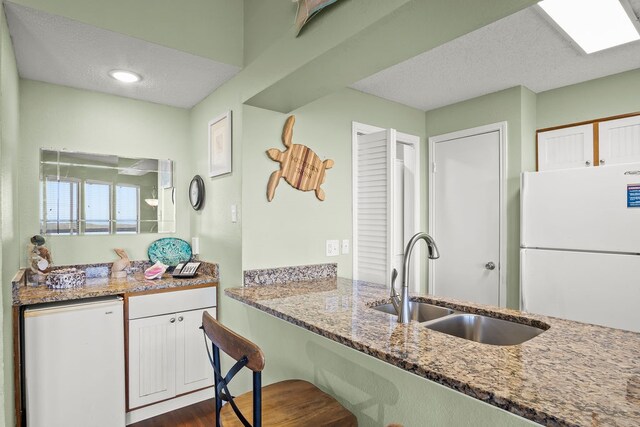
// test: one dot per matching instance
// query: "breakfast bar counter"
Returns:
(571, 374)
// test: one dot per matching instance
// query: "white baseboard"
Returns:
(169, 405)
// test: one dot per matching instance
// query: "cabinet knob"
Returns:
(602, 161)
(587, 163)
(180, 319)
(490, 265)
(172, 320)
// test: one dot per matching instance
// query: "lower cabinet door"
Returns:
(193, 369)
(152, 359)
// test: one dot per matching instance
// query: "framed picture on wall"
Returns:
(220, 145)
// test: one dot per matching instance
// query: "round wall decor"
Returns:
(196, 192)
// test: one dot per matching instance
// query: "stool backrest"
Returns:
(246, 354)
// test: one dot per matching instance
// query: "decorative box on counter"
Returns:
(66, 278)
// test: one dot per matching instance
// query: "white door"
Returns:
(193, 370)
(372, 200)
(152, 364)
(464, 212)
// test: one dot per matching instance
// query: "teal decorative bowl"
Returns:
(169, 251)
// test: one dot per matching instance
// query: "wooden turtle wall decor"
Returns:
(299, 165)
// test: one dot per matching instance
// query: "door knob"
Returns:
(490, 266)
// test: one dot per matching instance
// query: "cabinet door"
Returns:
(193, 370)
(152, 351)
(620, 141)
(565, 148)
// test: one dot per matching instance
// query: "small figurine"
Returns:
(119, 267)
(39, 256)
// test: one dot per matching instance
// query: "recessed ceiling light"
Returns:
(593, 24)
(125, 76)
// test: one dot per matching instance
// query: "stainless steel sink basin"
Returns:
(420, 311)
(486, 330)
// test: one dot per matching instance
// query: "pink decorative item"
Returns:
(155, 271)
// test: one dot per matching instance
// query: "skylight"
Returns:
(593, 24)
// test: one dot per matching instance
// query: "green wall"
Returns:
(9, 210)
(293, 227)
(607, 96)
(58, 117)
(209, 28)
(508, 105)
(529, 114)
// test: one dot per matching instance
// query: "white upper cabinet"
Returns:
(620, 141)
(566, 148)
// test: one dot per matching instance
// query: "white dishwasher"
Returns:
(74, 364)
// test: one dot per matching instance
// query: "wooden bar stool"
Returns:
(286, 404)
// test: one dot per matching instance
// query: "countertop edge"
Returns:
(485, 396)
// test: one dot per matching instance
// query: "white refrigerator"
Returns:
(74, 364)
(580, 245)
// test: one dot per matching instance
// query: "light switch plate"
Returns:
(345, 246)
(333, 247)
(234, 213)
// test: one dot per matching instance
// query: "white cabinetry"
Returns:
(569, 147)
(167, 355)
(620, 141)
(193, 369)
(152, 354)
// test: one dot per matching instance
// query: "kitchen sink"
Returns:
(420, 311)
(483, 329)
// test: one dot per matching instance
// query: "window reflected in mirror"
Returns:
(95, 194)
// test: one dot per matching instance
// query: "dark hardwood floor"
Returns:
(197, 415)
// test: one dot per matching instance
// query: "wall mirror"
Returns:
(97, 194)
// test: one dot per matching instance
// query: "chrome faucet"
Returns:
(401, 303)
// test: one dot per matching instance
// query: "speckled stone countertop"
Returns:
(571, 374)
(99, 283)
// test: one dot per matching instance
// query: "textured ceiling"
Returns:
(58, 50)
(521, 49)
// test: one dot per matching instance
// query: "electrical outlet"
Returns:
(345, 246)
(333, 247)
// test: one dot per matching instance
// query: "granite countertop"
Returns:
(571, 374)
(99, 283)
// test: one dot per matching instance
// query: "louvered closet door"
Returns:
(373, 213)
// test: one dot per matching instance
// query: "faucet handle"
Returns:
(395, 298)
(394, 276)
